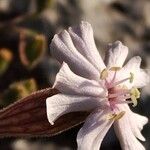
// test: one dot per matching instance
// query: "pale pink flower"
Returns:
(87, 83)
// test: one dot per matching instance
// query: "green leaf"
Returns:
(18, 90)
(31, 48)
(5, 59)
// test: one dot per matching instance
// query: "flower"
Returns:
(87, 83)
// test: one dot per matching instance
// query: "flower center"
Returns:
(118, 93)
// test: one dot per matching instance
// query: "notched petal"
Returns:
(94, 130)
(69, 83)
(83, 39)
(127, 130)
(116, 54)
(61, 104)
(63, 49)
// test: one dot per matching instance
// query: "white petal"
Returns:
(126, 135)
(134, 63)
(116, 55)
(136, 122)
(69, 83)
(138, 126)
(61, 104)
(140, 77)
(93, 131)
(83, 40)
(63, 49)
(139, 120)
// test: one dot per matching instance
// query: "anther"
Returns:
(120, 115)
(104, 74)
(111, 116)
(134, 100)
(134, 91)
(135, 94)
(116, 116)
(131, 77)
(115, 68)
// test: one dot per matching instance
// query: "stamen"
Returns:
(125, 96)
(115, 69)
(134, 100)
(119, 93)
(134, 91)
(135, 94)
(104, 74)
(111, 116)
(116, 116)
(119, 82)
(120, 115)
(124, 102)
(131, 77)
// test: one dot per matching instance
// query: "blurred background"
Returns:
(26, 65)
